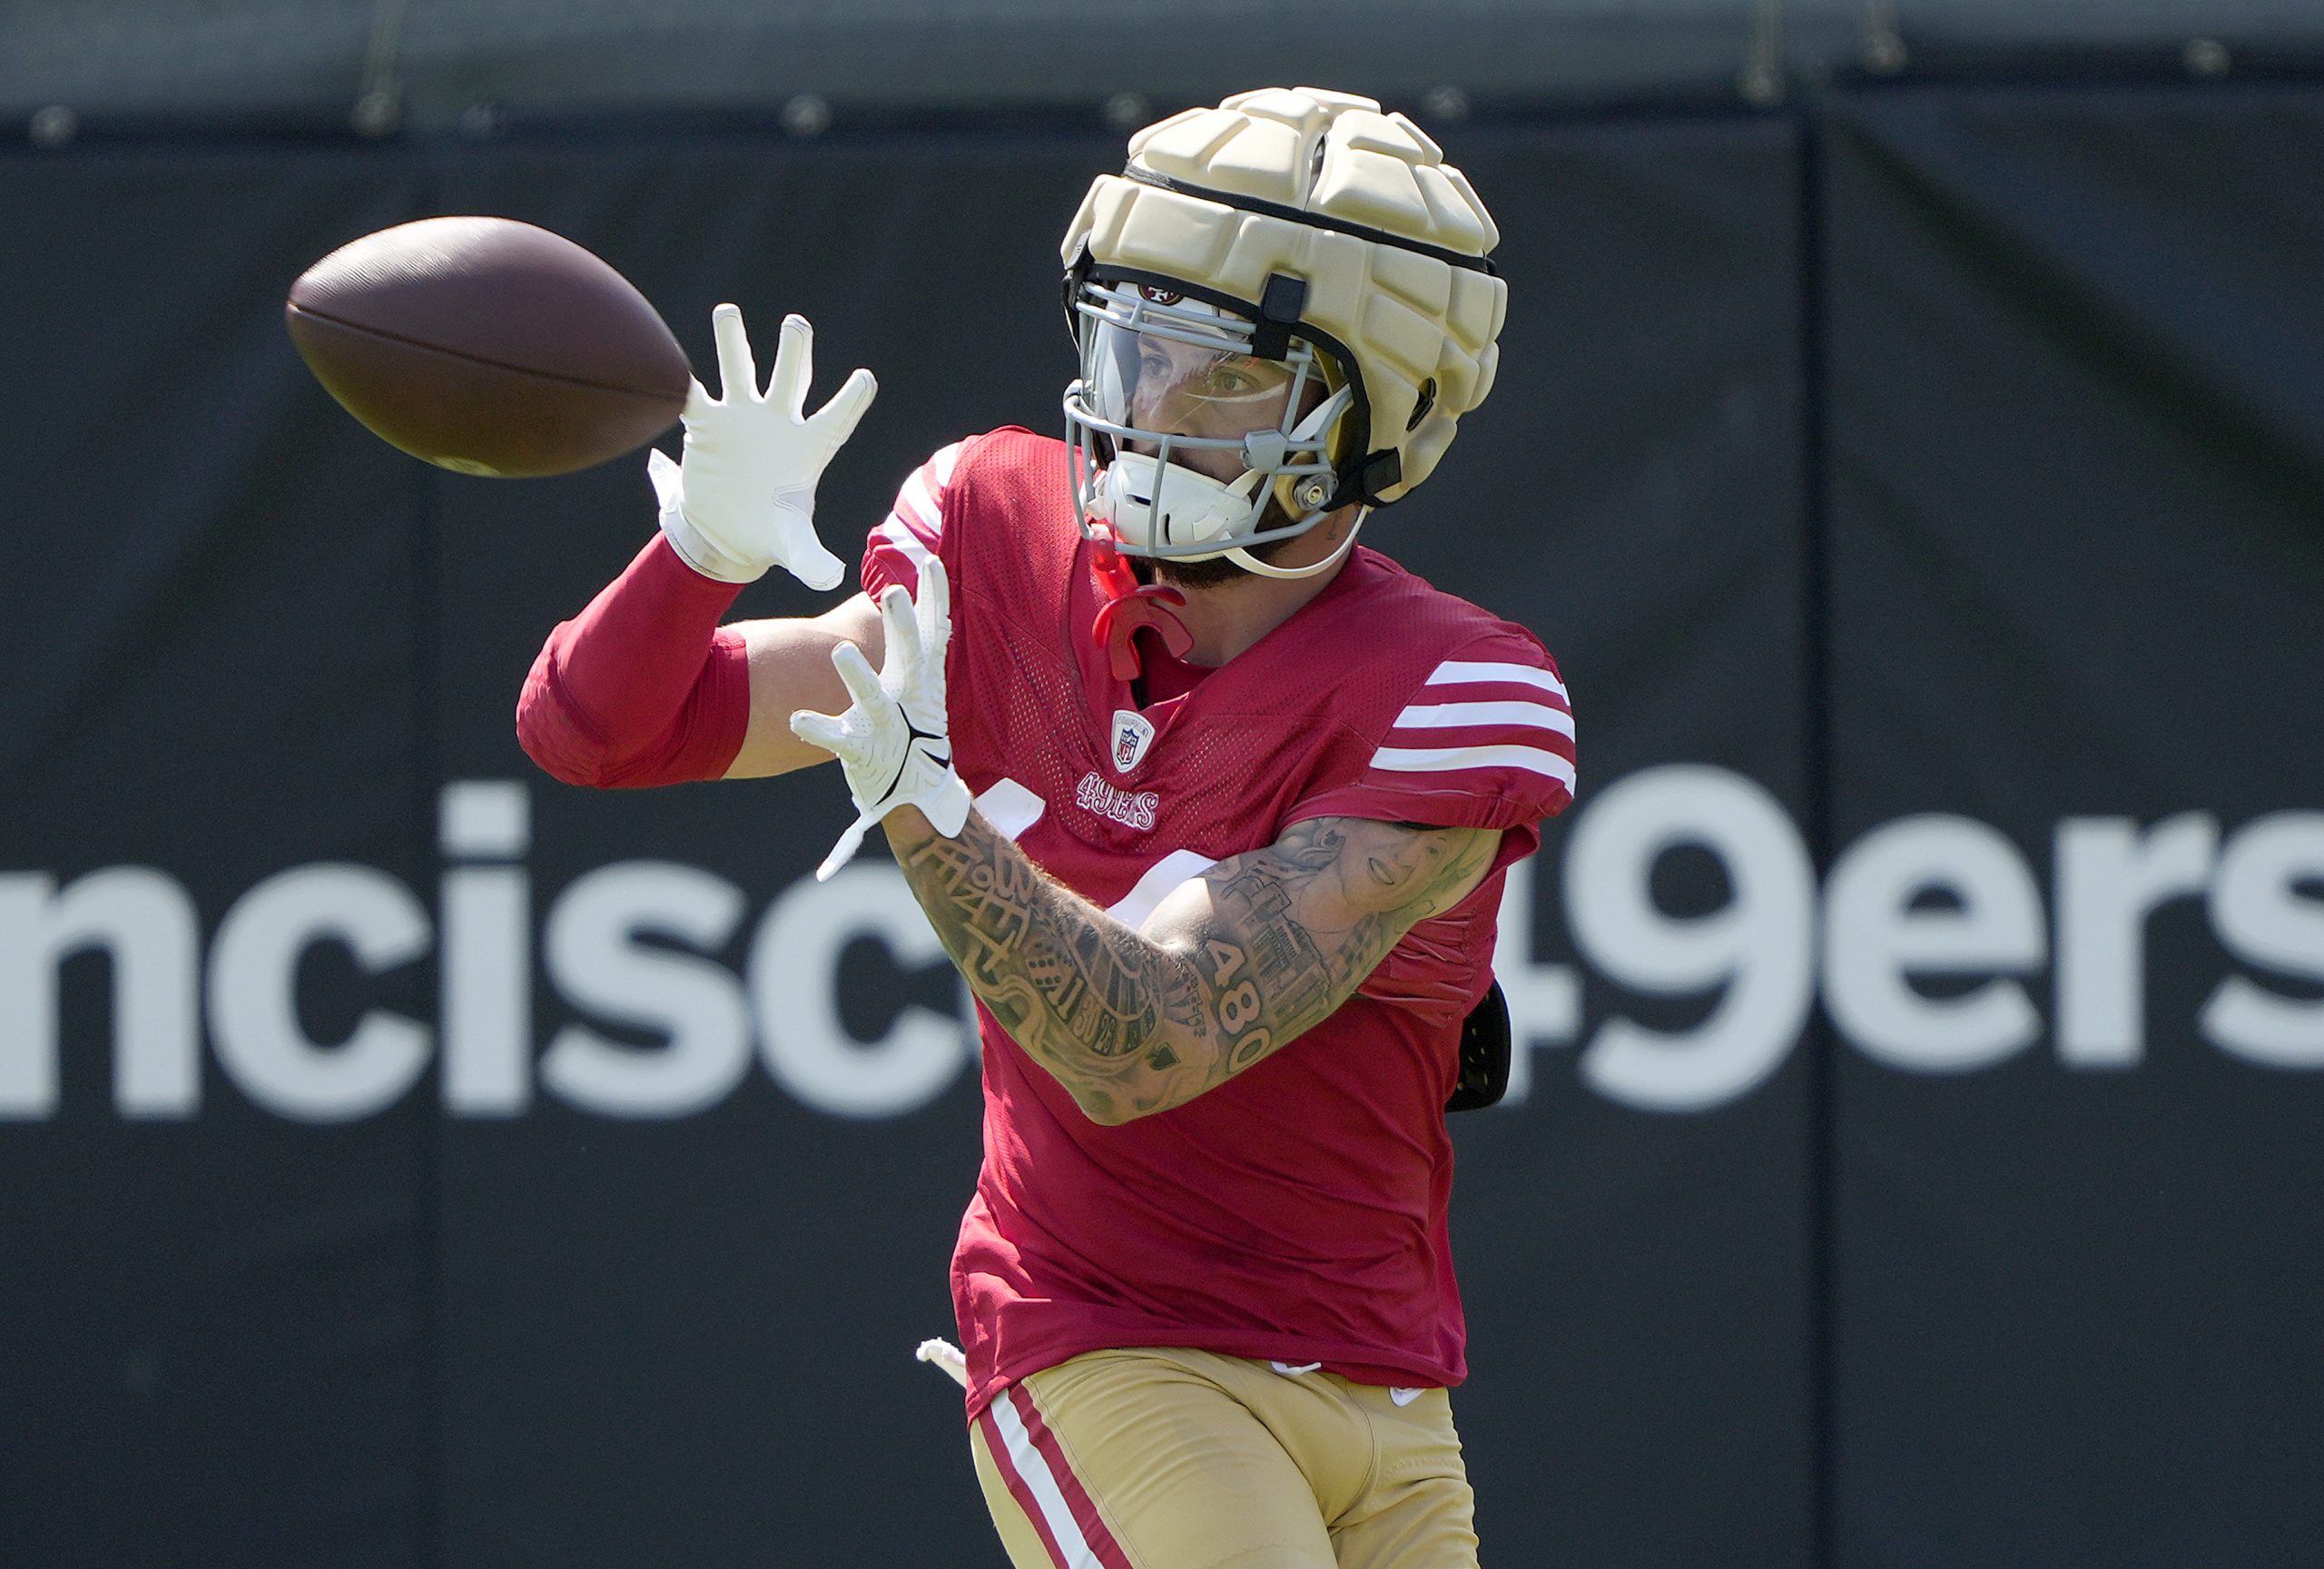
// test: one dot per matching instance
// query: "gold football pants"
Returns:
(1165, 1459)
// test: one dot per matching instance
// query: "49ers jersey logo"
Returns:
(1133, 733)
(1130, 811)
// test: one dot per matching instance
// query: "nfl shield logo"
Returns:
(1133, 733)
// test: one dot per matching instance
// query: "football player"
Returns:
(1210, 804)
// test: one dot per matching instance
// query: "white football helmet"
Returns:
(1283, 299)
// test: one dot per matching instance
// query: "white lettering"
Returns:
(484, 819)
(144, 923)
(2260, 915)
(2109, 877)
(486, 974)
(794, 979)
(487, 957)
(1758, 947)
(1930, 927)
(590, 941)
(1130, 811)
(253, 991)
(1873, 939)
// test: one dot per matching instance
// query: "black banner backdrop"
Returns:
(212, 1319)
(441, 1166)
(2077, 558)
(1640, 508)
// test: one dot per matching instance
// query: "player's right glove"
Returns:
(745, 498)
(895, 741)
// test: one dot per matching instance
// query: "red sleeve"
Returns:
(1484, 741)
(914, 529)
(644, 686)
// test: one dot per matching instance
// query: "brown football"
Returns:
(489, 346)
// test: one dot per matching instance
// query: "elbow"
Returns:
(555, 759)
(557, 739)
(1104, 1108)
(1118, 1105)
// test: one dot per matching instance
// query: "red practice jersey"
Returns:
(1295, 1213)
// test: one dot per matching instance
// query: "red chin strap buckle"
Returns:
(1129, 604)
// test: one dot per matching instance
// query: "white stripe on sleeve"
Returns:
(1454, 671)
(1463, 716)
(901, 537)
(915, 503)
(1456, 759)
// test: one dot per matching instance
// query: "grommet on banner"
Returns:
(2206, 57)
(375, 114)
(807, 115)
(54, 126)
(483, 122)
(1446, 103)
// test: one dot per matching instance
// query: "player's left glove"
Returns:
(895, 743)
(745, 498)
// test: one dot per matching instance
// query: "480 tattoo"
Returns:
(1239, 1003)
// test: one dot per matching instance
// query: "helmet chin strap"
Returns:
(1250, 563)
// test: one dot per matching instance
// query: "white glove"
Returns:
(744, 499)
(894, 743)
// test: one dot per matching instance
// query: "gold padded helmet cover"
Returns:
(1420, 329)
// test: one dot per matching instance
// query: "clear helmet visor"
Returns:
(1182, 437)
(1208, 395)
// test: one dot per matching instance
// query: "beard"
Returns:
(1208, 574)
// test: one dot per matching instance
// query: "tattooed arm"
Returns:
(1235, 965)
